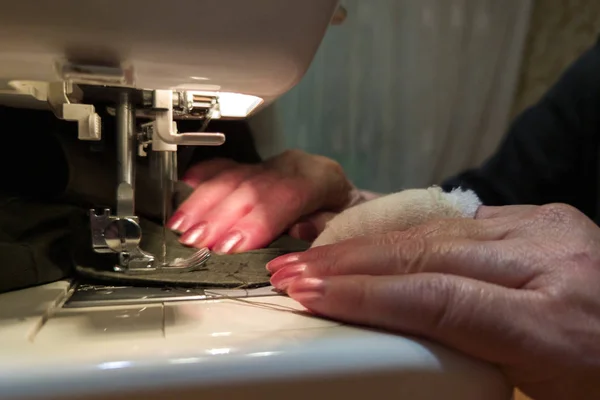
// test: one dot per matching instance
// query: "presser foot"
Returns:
(146, 262)
(122, 235)
(135, 261)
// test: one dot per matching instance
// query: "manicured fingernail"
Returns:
(277, 263)
(176, 222)
(194, 235)
(307, 290)
(229, 244)
(282, 278)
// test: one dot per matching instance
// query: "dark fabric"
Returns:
(243, 270)
(551, 151)
(33, 239)
(51, 179)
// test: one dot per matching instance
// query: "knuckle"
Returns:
(411, 255)
(332, 168)
(555, 213)
(248, 186)
(257, 183)
(290, 195)
(323, 178)
(232, 176)
(329, 164)
(249, 192)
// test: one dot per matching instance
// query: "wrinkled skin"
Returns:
(240, 207)
(518, 286)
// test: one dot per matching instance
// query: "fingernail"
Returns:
(282, 278)
(228, 244)
(194, 235)
(277, 263)
(307, 290)
(176, 222)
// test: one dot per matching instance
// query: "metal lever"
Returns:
(164, 128)
(126, 151)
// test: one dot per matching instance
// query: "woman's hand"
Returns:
(240, 207)
(517, 286)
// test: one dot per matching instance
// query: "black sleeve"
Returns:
(550, 153)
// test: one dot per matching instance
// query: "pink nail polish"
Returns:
(282, 278)
(195, 234)
(307, 290)
(229, 244)
(176, 222)
(277, 263)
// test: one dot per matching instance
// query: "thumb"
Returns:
(309, 227)
(398, 212)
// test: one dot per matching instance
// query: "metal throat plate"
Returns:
(95, 295)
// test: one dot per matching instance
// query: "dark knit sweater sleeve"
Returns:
(550, 153)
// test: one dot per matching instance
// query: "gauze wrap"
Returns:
(397, 212)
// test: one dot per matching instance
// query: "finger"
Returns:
(309, 227)
(206, 170)
(477, 318)
(492, 262)
(209, 195)
(464, 228)
(211, 226)
(277, 206)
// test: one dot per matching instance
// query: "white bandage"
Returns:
(399, 211)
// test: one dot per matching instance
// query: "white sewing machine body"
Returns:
(190, 345)
(257, 349)
(258, 48)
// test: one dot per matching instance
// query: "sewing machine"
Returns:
(160, 62)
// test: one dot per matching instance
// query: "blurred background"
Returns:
(406, 93)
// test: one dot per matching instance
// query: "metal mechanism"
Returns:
(121, 233)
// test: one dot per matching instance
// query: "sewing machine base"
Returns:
(261, 345)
